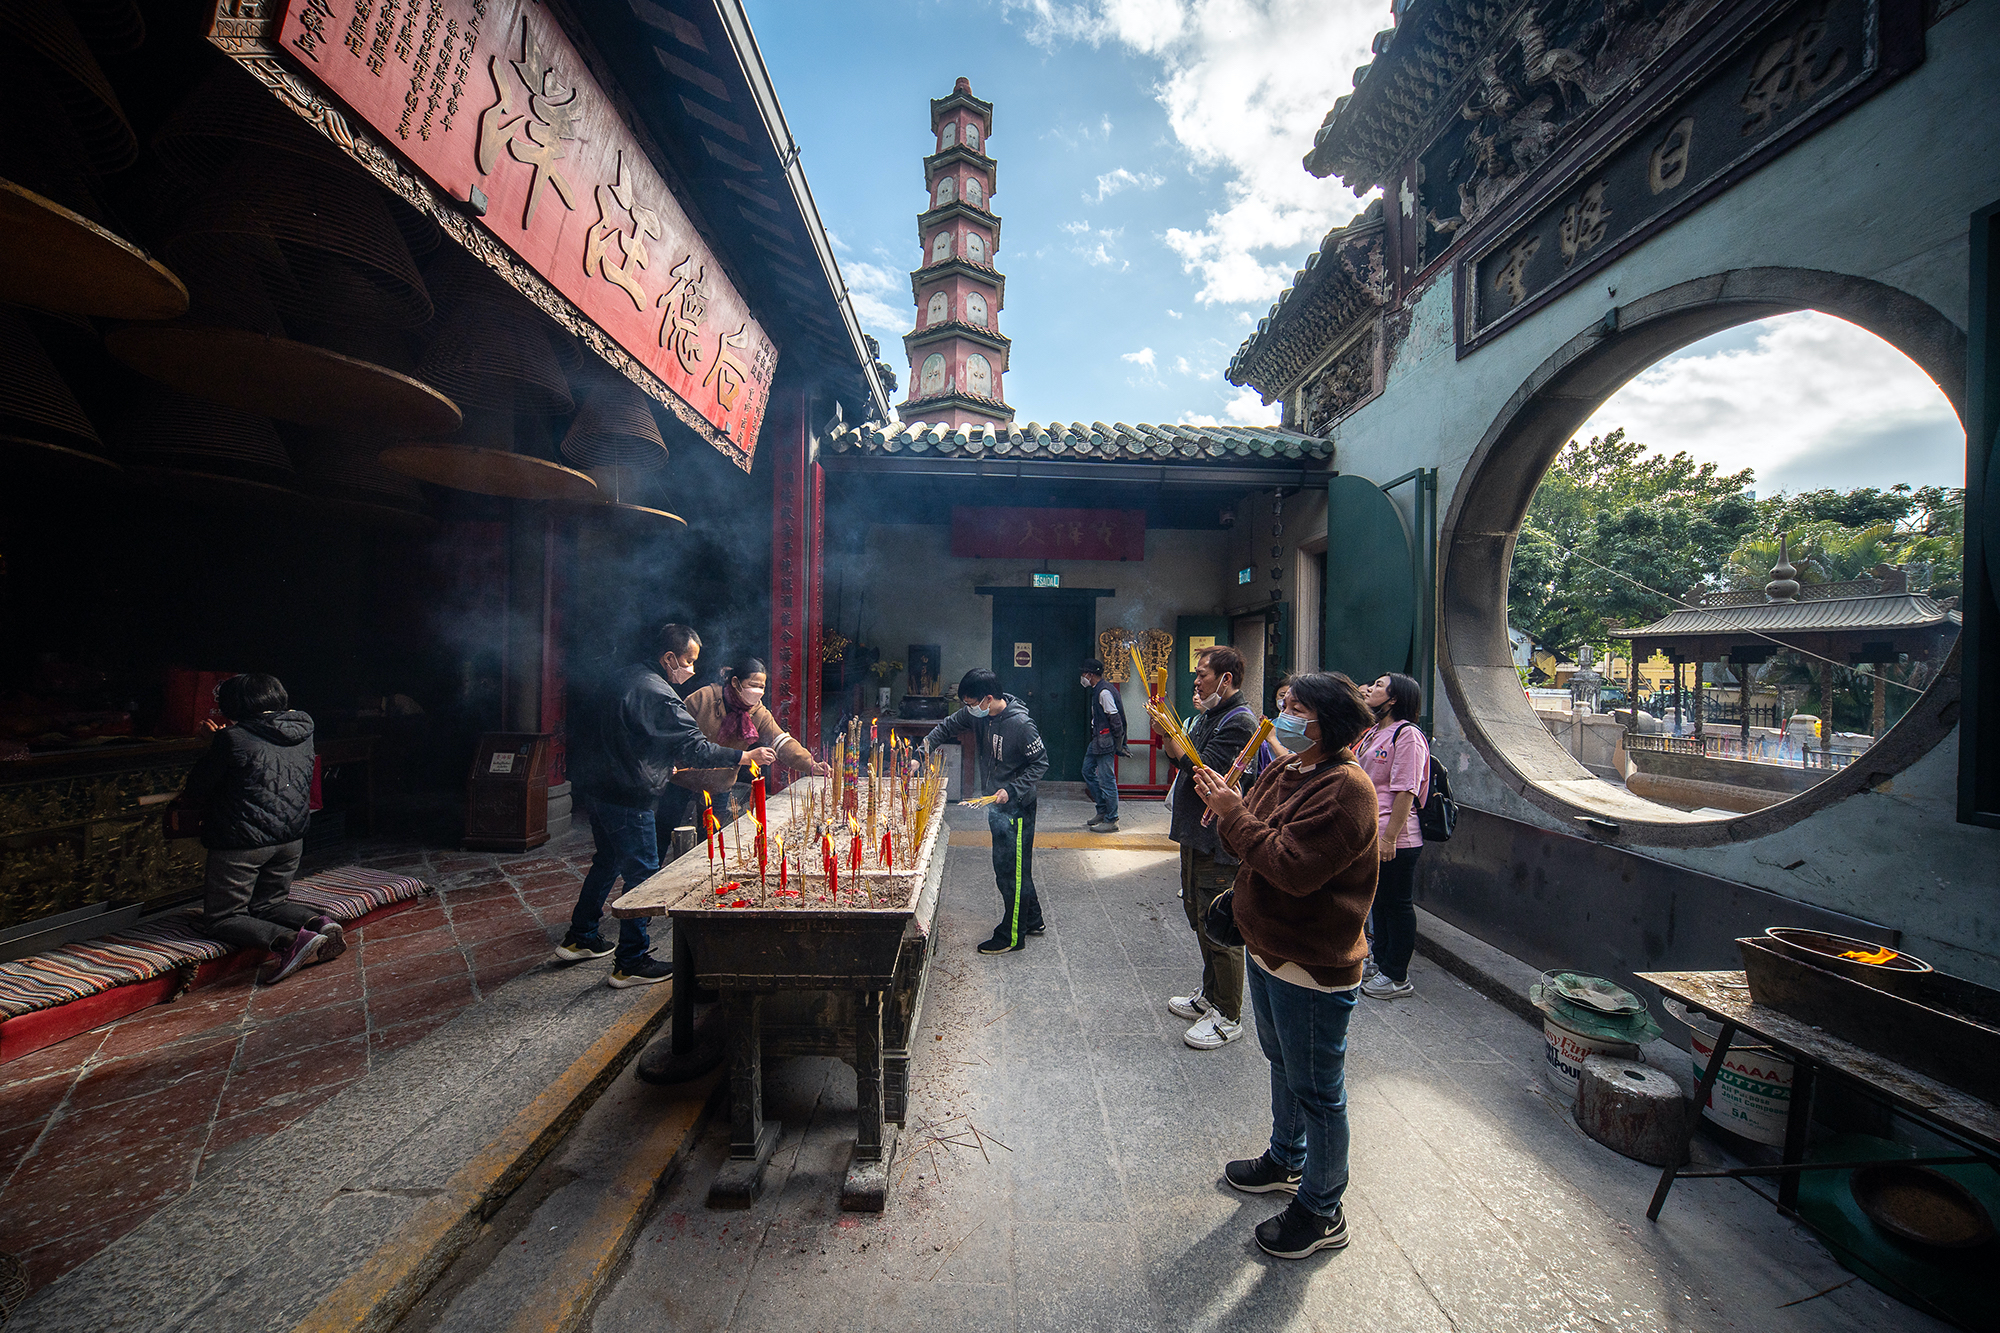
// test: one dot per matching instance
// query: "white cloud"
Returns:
(1181, 366)
(1806, 399)
(1077, 228)
(1247, 409)
(1240, 108)
(881, 297)
(1111, 182)
(1142, 357)
(1197, 419)
(1173, 314)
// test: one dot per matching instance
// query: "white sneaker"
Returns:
(1369, 967)
(1379, 987)
(1212, 1031)
(1189, 1006)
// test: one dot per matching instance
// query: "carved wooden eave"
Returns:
(1420, 68)
(1343, 286)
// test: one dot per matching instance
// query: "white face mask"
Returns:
(1083, 681)
(749, 695)
(1208, 701)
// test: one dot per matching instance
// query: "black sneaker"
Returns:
(576, 948)
(1034, 930)
(1299, 1231)
(1261, 1175)
(1001, 944)
(647, 971)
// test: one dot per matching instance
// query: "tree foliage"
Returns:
(1664, 524)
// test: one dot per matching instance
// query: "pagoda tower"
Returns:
(957, 353)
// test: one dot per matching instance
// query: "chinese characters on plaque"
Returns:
(1048, 534)
(489, 100)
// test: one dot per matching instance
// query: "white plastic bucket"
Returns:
(1753, 1091)
(1566, 1051)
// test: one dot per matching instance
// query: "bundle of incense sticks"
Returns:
(1264, 729)
(1162, 715)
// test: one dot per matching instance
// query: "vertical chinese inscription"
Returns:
(531, 121)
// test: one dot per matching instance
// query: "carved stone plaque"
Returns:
(1763, 91)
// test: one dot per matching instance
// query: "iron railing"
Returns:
(1761, 750)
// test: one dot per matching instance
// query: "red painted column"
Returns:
(815, 600)
(791, 581)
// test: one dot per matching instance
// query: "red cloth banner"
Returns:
(489, 100)
(1048, 534)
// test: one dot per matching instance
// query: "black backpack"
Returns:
(1437, 818)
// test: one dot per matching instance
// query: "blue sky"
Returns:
(1153, 206)
(1150, 191)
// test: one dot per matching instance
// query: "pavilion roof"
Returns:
(1827, 617)
(1076, 440)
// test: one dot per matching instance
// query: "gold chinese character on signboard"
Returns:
(729, 371)
(1583, 223)
(1784, 72)
(1668, 166)
(1510, 279)
(533, 136)
(685, 303)
(620, 265)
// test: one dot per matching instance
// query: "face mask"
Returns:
(1083, 681)
(679, 674)
(1290, 726)
(748, 695)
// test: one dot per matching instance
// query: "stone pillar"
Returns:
(1698, 702)
(1878, 717)
(1743, 702)
(1632, 693)
(1826, 712)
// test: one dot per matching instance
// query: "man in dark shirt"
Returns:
(1012, 761)
(1107, 743)
(1224, 727)
(626, 751)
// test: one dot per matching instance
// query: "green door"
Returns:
(1191, 635)
(1371, 594)
(1053, 636)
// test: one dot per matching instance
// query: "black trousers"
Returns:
(1014, 871)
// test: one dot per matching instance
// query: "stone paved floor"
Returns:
(1476, 1203)
(98, 1132)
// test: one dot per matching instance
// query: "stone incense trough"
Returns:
(830, 978)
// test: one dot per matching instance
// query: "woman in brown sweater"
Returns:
(1305, 834)
(732, 711)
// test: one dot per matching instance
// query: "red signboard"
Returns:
(1048, 534)
(489, 100)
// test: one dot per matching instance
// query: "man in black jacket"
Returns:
(1012, 761)
(1224, 727)
(1107, 743)
(626, 751)
(254, 791)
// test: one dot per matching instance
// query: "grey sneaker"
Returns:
(1105, 826)
(1382, 987)
(1189, 1006)
(305, 946)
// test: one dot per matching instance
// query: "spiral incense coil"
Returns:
(173, 431)
(111, 27)
(486, 357)
(345, 467)
(339, 257)
(39, 416)
(615, 429)
(231, 116)
(45, 29)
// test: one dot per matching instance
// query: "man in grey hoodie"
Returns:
(1012, 761)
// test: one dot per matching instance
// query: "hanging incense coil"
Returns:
(85, 94)
(498, 358)
(53, 258)
(615, 428)
(488, 458)
(40, 420)
(343, 474)
(111, 27)
(323, 242)
(206, 452)
(230, 118)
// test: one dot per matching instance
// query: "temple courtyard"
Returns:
(1061, 1167)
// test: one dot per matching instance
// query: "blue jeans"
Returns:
(627, 847)
(1102, 783)
(1304, 1036)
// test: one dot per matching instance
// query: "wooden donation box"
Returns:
(507, 794)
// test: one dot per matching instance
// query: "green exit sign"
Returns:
(1048, 580)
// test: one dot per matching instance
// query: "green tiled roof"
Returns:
(1076, 440)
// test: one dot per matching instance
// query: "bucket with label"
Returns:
(1753, 1092)
(1567, 1050)
(1584, 1016)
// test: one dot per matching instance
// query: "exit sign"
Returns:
(1248, 574)
(1048, 580)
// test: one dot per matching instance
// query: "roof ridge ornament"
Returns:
(1784, 585)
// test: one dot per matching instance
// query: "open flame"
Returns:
(1876, 956)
